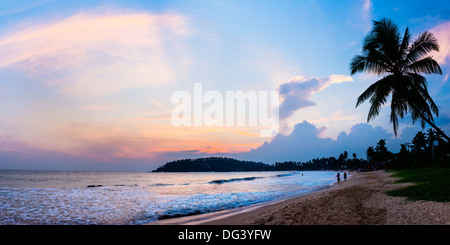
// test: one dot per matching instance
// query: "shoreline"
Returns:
(201, 219)
(360, 200)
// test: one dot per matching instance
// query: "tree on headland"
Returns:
(400, 62)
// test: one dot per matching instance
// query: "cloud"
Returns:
(98, 108)
(304, 143)
(297, 92)
(99, 53)
(442, 33)
(365, 10)
(367, 7)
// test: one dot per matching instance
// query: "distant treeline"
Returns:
(224, 164)
(213, 164)
(324, 163)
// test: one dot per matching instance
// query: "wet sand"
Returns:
(361, 200)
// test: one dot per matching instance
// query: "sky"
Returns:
(87, 85)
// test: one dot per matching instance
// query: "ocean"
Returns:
(131, 198)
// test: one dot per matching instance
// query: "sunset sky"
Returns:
(87, 85)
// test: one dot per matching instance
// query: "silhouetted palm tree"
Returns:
(419, 142)
(386, 53)
(431, 136)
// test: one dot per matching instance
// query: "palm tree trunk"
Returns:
(439, 131)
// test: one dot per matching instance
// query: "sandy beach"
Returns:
(361, 200)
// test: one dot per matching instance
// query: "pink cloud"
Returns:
(442, 33)
(98, 108)
(98, 54)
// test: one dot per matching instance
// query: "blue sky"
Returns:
(86, 85)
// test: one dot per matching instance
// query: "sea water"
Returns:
(53, 197)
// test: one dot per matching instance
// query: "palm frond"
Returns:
(425, 43)
(385, 38)
(405, 43)
(419, 107)
(420, 86)
(394, 121)
(426, 65)
(369, 92)
(379, 97)
(369, 64)
(381, 87)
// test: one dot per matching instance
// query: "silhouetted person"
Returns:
(338, 176)
(345, 176)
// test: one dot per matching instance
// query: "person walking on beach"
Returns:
(345, 176)
(338, 176)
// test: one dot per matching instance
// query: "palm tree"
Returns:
(419, 142)
(431, 136)
(400, 62)
(370, 153)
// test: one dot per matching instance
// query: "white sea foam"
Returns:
(132, 198)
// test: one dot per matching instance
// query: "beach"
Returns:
(360, 200)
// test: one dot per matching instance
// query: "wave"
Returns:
(221, 181)
(284, 175)
(288, 174)
(162, 184)
(181, 214)
(116, 185)
(168, 184)
(207, 203)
